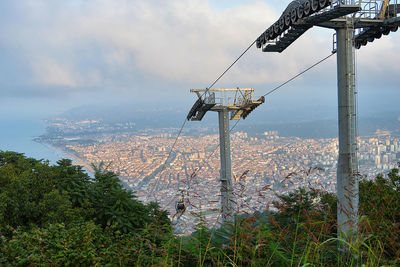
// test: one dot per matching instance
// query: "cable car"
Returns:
(180, 206)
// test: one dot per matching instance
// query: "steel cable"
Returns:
(299, 74)
(196, 172)
(268, 93)
(184, 123)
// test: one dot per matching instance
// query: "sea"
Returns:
(17, 134)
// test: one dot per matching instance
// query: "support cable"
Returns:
(244, 52)
(184, 123)
(301, 73)
(167, 158)
(195, 173)
(270, 92)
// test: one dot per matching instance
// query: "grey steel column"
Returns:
(226, 172)
(347, 169)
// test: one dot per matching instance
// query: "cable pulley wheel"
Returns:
(378, 35)
(314, 5)
(293, 15)
(287, 20)
(364, 42)
(322, 3)
(276, 28)
(307, 8)
(264, 38)
(386, 31)
(300, 11)
(271, 33)
(281, 23)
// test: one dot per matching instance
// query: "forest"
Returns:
(57, 215)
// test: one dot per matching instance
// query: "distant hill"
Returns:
(143, 118)
(256, 125)
(367, 126)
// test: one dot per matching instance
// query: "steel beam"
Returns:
(347, 169)
(226, 167)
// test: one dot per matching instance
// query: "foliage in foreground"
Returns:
(57, 215)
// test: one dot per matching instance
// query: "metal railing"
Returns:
(394, 8)
(371, 9)
(231, 101)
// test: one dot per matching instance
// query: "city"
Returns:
(262, 167)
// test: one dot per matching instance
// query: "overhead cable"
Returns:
(270, 92)
(184, 123)
(301, 73)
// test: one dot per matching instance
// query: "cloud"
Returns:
(183, 41)
(380, 59)
(50, 73)
(188, 41)
(180, 41)
(110, 44)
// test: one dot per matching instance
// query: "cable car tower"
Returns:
(228, 107)
(356, 23)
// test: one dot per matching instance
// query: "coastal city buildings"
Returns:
(262, 167)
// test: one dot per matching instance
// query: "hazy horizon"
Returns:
(57, 55)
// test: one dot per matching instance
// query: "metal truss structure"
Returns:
(240, 105)
(370, 18)
(356, 22)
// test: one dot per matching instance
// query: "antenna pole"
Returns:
(347, 169)
(226, 168)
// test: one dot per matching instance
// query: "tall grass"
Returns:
(263, 245)
(299, 233)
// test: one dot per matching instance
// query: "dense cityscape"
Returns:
(262, 166)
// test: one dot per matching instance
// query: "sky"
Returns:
(56, 55)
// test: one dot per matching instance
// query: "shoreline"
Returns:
(76, 159)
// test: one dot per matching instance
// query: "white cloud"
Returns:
(179, 41)
(380, 58)
(97, 42)
(176, 40)
(50, 73)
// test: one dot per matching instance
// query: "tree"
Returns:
(380, 204)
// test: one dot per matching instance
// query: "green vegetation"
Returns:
(58, 215)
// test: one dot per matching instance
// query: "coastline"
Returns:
(77, 160)
(61, 153)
